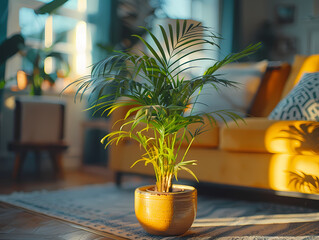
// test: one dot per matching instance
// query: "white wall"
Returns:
(303, 33)
(253, 13)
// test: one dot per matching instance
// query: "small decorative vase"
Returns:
(166, 214)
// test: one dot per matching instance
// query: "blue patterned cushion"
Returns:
(302, 103)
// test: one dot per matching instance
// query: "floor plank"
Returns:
(17, 223)
(79, 177)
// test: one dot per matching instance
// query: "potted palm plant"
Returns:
(159, 94)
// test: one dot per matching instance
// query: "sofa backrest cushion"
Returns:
(270, 89)
(302, 103)
(245, 137)
(248, 77)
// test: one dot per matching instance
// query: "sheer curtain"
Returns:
(3, 30)
(230, 26)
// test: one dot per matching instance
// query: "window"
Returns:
(67, 31)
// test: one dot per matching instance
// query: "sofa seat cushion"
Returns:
(246, 137)
(271, 136)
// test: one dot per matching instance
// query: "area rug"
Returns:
(110, 209)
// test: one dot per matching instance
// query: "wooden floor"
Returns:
(17, 223)
(83, 176)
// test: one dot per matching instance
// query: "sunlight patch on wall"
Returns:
(80, 44)
(48, 65)
(48, 34)
(48, 41)
(82, 5)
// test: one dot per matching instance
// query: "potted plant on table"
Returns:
(159, 95)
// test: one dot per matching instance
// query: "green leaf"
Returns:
(189, 171)
(177, 30)
(158, 44)
(165, 38)
(171, 34)
(50, 7)
(151, 49)
(184, 27)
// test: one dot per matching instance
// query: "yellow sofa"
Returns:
(259, 153)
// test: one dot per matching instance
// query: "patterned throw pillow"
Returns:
(302, 103)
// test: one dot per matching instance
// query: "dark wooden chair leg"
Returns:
(56, 158)
(38, 162)
(18, 164)
(118, 178)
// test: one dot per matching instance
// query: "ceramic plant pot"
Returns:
(166, 214)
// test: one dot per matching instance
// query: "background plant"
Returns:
(159, 93)
(36, 57)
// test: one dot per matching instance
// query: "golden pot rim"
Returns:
(187, 190)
